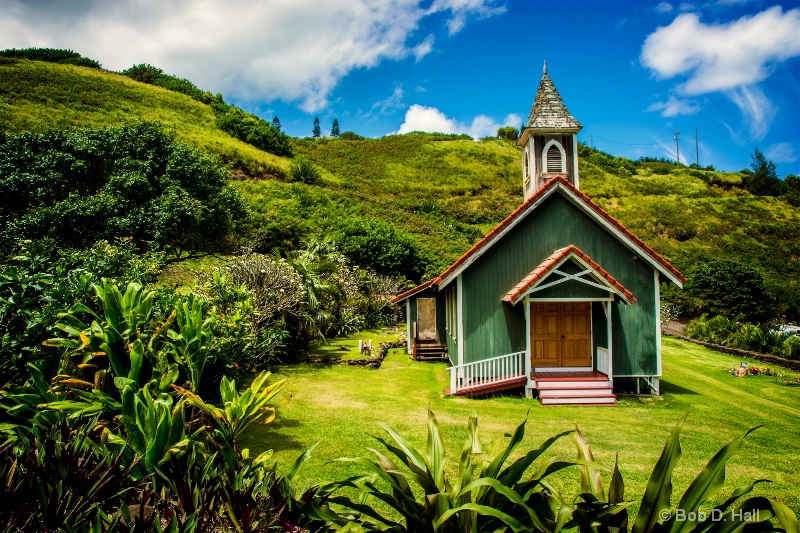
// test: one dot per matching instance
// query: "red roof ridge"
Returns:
(544, 268)
(501, 226)
(551, 183)
(413, 291)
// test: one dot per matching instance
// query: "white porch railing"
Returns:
(487, 372)
(603, 361)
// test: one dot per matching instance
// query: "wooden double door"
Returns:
(561, 334)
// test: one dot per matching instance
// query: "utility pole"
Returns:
(696, 148)
(591, 142)
(677, 153)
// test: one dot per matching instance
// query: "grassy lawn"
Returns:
(347, 347)
(339, 406)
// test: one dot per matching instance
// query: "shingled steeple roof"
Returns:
(548, 111)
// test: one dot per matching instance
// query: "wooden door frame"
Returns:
(527, 301)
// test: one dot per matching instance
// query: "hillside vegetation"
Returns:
(444, 192)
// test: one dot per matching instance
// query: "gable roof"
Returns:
(556, 259)
(412, 292)
(548, 111)
(561, 185)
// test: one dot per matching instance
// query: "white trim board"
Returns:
(474, 257)
(602, 283)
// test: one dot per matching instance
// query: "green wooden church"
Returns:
(559, 298)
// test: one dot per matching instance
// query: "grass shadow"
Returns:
(672, 388)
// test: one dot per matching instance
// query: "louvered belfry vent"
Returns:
(554, 160)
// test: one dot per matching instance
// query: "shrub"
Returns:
(304, 172)
(717, 330)
(378, 245)
(252, 130)
(350, 136)
(134, 181)
(155, 76)
(727, 287)
(791, 347)
(51, 55)
(508, 132)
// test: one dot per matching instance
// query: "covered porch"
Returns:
(567, 303)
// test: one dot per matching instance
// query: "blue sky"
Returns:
(631, 72)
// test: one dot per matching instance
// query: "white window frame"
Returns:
(545, 164)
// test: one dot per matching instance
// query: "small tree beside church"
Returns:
(317, 131)
(335, 128)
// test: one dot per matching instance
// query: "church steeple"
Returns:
(549, 139)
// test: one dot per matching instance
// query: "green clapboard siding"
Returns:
(495, 328)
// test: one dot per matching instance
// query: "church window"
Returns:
(554, 158)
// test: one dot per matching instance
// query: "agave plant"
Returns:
(755, 513)
(489, 494)
(238, 411)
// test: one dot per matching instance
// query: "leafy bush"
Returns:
(61, 480)
(135, 181)
(44, 279)
(350, 136)
(252, 130)
(155, 76)
(508, 132)
(51, 55)
(378, 245)
(727, 287)
(791, 347)
(304, 172)
(717, 330)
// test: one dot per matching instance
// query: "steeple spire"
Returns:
(548, 139)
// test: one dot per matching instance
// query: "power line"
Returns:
(630, 144)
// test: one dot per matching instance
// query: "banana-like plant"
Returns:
(123, 341)
(155, 429)
(192, 340)
(489, 494)
(238, 411)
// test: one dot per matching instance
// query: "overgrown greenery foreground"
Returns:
(131, 404)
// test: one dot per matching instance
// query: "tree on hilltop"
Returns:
(764, 180)
(317, 131)
(335, 128)
(276, 123)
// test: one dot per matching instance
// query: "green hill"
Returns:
(443, 191)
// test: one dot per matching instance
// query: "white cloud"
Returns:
(295, 51)
(664, 7)
(731, 58)
(462, 10)
(720, 57)
(424, 48)
(430, 119)
(781, 152)
(394, 101)
(757, 112)
(675, 106)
